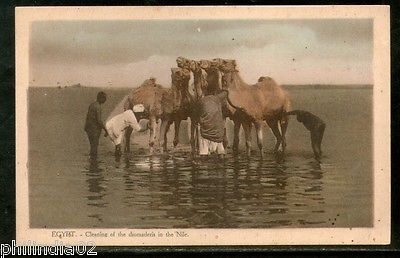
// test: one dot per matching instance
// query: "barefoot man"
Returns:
(94, 124)
(316, 127)
(116, 126)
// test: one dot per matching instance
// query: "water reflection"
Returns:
(237, 192)
(96, 189)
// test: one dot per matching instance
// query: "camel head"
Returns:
(180, 82)
(212, 74)
(230, 79)
(225, 65)
(193, 66)
(183, 62)
(207, 65)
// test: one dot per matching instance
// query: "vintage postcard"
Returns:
(177, 126)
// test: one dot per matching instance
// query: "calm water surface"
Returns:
(165, 191)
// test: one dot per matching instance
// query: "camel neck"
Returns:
(237, 81)
(185, 91)
(213, 80)
(200, 83)
(197, 76)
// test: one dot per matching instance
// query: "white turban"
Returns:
(138, 108)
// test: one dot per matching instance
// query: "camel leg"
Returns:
(236, 131)
(284, 122)
(273, 124)
(165, 124)
(193, 134)
(258, 126)
(157, 132)
(152, 127)
(177, 124)
(128, 133)
(225, 142)
(247, 132)
(198, 138)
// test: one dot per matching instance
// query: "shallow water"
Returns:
(165, 191)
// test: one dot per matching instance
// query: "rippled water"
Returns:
(165, 191)
(234, 192)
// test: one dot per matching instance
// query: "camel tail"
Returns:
(229, 100)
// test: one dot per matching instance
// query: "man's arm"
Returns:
(144, 125)
(132, 121)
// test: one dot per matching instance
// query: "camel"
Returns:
(152, 96)
(213, 83)
(168, 105)
(183, 107)
(206, 82)
(199, 81)
(200, 89)
(263, 101)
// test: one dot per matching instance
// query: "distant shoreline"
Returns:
(327, 86)
(285, 86)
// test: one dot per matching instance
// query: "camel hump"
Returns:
(267, 82)
(265, 79)
(149, 82)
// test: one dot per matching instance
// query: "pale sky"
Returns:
(95, 53)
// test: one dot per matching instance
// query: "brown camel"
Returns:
(206, 78)
(170, 105)
(183, 107)
(213, 83)
(205, 75)
(206, 81)
(199, 76)
(200, 89)
(213, 76)
(152, 96)
(263, 101)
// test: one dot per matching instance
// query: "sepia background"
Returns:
(325, 65)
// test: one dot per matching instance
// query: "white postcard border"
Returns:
(378, 234)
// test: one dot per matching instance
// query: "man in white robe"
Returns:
(116, 126)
